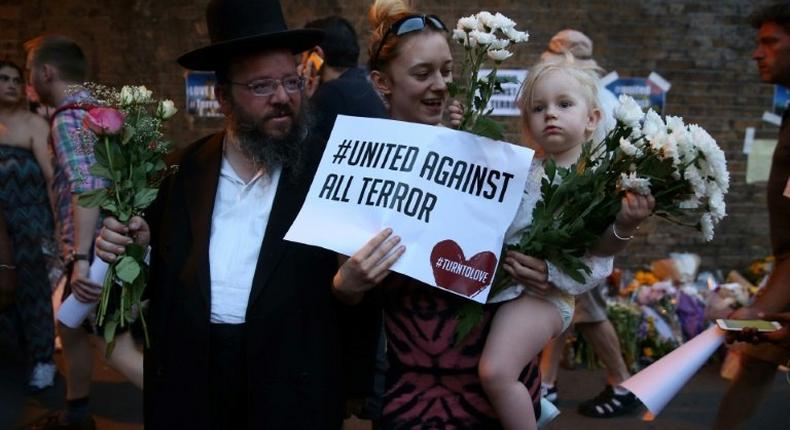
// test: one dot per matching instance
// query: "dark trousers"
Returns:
(228, 377)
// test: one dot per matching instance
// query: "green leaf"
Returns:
(550, 168)
(135, 251)
(127, 269)
(94, 198)
(454, 89)
(100, 170)
(109, 334)
(128, 133)
(487, 127)
(110, 206)
(469, 316)
(100, 154)
(144, 197)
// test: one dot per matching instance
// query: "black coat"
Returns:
(350, 94)
(292, 343)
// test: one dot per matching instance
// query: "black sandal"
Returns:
(609, 404)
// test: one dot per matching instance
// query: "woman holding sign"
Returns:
(431, 378)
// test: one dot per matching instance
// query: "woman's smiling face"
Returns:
(415, 82)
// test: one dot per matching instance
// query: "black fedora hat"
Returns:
(241, 26)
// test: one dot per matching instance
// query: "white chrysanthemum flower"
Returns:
(460, 37)
(482, 38)
(629, 148)
(694, 177)
(718, 208)
(499, 54)
(467, 23)
(706, 225)
(713, 162)
(653, 125)
(487, 19)
(499, 44)
(690, 203)
(628, 112)
(502, 22)
(675, 125)
(631, 182)
(515, 36)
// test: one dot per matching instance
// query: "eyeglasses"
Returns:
(5, 79)
(267, 87)
(405, 25)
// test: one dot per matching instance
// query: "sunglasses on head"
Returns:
(405, 25)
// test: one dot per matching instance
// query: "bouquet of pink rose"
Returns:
(124, 132)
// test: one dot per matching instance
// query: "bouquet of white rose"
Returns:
(125, 134)
(484, 36)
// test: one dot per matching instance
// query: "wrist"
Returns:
(80, 256)
(347, 297)
(622, 232)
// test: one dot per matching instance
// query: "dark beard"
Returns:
(269, 151)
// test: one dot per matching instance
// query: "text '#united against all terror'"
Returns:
(403, 197)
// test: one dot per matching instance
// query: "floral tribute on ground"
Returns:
(124, 132)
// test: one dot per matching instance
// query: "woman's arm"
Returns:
(39, 139)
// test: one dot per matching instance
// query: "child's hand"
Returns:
(634, 209)
(456, 113)
(530, 272)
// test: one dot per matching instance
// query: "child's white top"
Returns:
(600, 267)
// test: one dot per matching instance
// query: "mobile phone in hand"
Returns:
(739, 325)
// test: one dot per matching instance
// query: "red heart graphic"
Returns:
(452, 271)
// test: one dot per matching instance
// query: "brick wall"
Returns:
(702, 47)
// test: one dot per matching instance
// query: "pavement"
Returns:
(117, 405)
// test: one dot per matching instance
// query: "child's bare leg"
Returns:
(519, 331)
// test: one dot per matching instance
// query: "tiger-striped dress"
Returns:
(431, 382)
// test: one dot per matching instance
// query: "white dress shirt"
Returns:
(238, 223)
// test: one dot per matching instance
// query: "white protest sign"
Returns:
(504, 103)
(449, 195)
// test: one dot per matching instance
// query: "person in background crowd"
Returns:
(12, 361)
(8, 281)
(25, 171)
(758, 364)
(57, 68)
(243, 324)
(589, 317)
(344, 88)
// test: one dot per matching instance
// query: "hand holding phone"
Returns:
(774, 332)
(739, 325)
(310, 69)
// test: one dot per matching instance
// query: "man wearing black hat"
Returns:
(243, 324)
